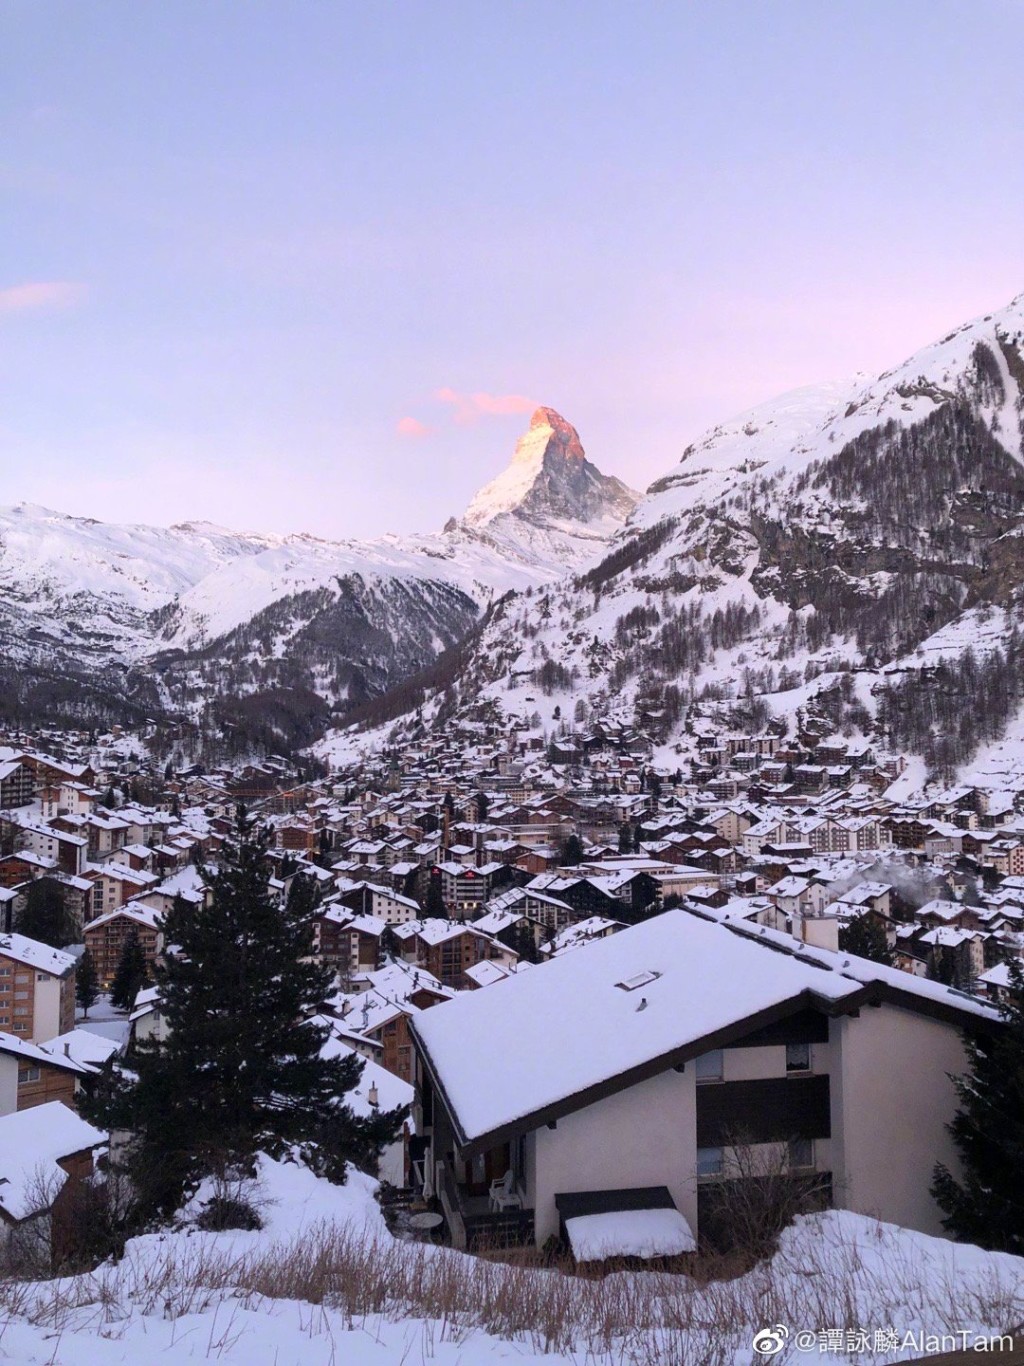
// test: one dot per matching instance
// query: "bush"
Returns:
(223, 1212)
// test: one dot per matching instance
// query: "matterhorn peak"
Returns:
(551, 483)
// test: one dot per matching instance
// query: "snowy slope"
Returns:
(840, 526)
(196, 611)
(258, 1298)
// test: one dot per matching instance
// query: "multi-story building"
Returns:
(37, 988)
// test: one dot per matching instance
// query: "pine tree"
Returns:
(625, 838)
(866, 938)
(435, 905)
(86, 983)
(241, 1069)
(45, 916)
(572, 852)
(987, 1206)
(132, 973)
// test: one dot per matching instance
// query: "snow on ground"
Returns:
(999, 766)
(911, 780)
(185, 1296)
(105, 1019)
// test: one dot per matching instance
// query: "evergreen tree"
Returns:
(865, 937)
(435, 900)
(625, 838)
(987, 1206)
(483, 805)
(110, 798)
(45, 915)
(241, 1069)
(572, 851)
(132, 973)
(520, 940)
(87, 987)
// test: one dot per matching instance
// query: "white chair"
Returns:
(503, 1194)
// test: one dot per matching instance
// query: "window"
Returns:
(709, 1066)
(27, 1074)
(798, 1057)
(710, 1161)
(639, 979)
(801, 1152)
(42, 976)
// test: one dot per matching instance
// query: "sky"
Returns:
(308, 265)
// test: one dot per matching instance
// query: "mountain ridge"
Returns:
(194, 611)
(843, 527)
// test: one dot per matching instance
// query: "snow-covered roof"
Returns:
(629, 1233)
(36, 955)
(82, 1046)
(573, 1026)
(32, 1143)
(35, 1053)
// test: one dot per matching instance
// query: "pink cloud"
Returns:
(411, 426)
(40, 294)
(470, 407)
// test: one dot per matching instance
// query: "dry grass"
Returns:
(643, 1319)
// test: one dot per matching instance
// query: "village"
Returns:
(490, 864)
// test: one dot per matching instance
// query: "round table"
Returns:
(425, 1224)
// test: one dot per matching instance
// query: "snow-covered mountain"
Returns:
(858, 526)
(168, 620)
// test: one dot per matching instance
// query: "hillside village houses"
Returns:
(475, 873)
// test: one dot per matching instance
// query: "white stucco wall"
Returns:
(46, 1021)
(891, 1101)
(643, 1136)
(8, 1084)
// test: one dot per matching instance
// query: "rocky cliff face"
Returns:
(551, 483)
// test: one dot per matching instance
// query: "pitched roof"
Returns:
(36, 955)
(32, 1142)
(573, 1030)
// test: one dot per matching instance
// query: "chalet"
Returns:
(67, 851)
(17, 869)
(62, 798)
(511, 926)
(626, 1069)
(17, 785)
(105, 938)
(115, 884)
(447, 949)
(48, 770)
(31, 1075)
(366, 898)
(37, 988)
(553, 913)
(45, 1153)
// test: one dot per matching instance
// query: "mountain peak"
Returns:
(550, 481)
